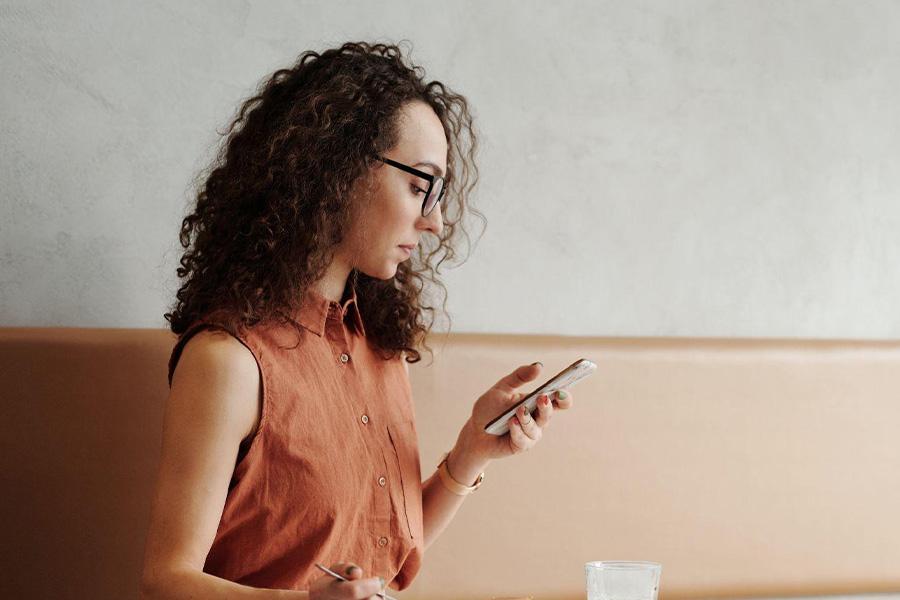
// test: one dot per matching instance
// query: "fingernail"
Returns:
(545, 400)
(537, 363)
(561, 395)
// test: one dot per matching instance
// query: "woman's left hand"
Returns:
(525, 431)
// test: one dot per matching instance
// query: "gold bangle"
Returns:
(452, 484)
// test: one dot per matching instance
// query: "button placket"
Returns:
(383, 512)
(336, 332)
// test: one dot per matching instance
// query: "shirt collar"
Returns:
(313, 312)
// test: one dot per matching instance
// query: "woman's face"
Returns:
(390, 215)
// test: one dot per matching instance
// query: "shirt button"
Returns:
(364, 419)
(345, 358)
(382, 542)
(382, 481)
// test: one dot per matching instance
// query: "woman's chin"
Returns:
(385, 271)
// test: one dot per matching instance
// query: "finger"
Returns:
(563, 399)
(514, 399)
(355, 588)
(544, 411)
(520, 376)
(518, 441)
(348, 569)
(529, 425)
(361, 589)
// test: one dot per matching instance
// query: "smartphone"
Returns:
(566, 378)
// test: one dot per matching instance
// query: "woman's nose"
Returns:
(434, 221)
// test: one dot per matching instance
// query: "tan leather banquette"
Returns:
(748, 468)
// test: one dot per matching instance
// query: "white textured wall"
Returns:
(649, 168)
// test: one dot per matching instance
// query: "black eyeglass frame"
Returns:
(431, 179)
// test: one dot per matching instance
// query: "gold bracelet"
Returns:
(453, 485)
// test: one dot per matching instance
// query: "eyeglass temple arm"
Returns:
(410, 170)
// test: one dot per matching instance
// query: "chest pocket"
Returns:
(406, 453)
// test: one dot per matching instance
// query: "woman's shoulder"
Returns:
(216, 350)
(218, 345)
(217, 374)
(214, 343)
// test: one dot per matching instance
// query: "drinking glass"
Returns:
(622, 580)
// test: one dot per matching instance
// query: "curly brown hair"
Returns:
(276, 200)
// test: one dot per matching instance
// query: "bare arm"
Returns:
(439, 505)
(475, 449)
(213, 404)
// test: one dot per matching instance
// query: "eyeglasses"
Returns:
(435, 191)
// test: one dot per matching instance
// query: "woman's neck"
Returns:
(334, 282)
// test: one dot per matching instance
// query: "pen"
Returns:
(342, 578)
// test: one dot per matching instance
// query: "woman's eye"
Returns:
(416, 190)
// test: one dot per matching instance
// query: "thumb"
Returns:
(354, 572)
(349, 570)
(520, 376)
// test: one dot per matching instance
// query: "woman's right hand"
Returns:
(355, 588)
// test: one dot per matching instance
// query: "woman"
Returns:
(289, 435)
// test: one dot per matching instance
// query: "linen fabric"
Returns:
(332, 473)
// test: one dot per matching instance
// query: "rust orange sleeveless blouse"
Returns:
(332, 473)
